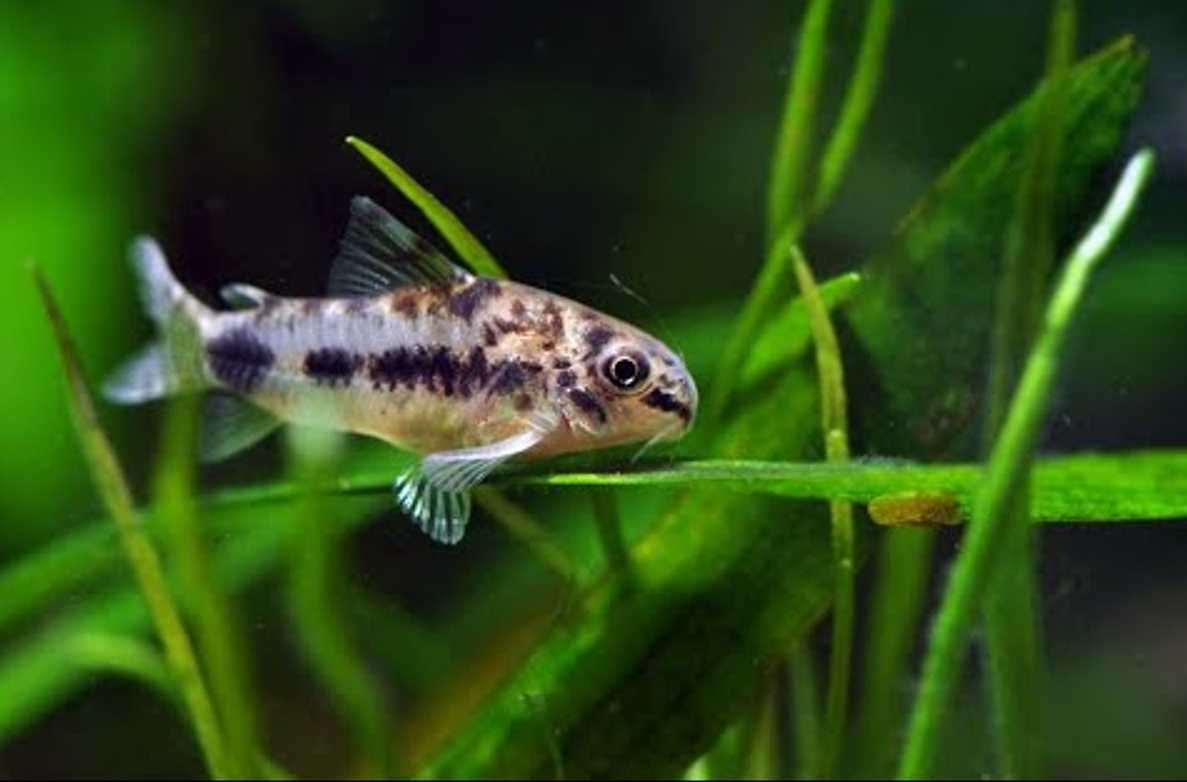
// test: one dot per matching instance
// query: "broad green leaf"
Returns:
(1008, 469)
(732, 581)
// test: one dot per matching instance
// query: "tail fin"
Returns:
(173, 363)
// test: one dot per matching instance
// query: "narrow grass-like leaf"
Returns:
(142, 555)
(772, 284)
(1134, 486)
(521, 526)
(315, 591)
(124, 655)
(787, 201)
(217, 628)
(1007, 467)
(805, 711)
(787, 195)
(1085, 488)
(918, 375)
(859, 97)
(902, 570)
(787, 334)
(834, 420)
(37, 672)
(610, 530)
(1012, 625)
(465, 243)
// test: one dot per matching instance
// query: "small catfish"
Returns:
(466, 371)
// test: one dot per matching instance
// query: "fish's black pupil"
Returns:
(624, 371)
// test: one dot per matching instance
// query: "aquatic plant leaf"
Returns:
(727, 579)
(465, 243)
(1008, 469)
(730, 582)
(1088, 488)
(1093, 488)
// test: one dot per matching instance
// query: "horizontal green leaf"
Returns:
(1083, 488)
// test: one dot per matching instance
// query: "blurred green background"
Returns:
(626, 139)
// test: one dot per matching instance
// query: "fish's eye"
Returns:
(626, 371)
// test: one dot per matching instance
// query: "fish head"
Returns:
(626, 386)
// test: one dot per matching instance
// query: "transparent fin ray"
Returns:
(436, 492)
(231, 425)
(145, 376)
(159, 290)
(379, 254)
(168, 365)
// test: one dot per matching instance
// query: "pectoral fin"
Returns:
(436, 492)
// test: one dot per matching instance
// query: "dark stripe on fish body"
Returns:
(332, 365)
(239, 359)
(566, 378)
(662, 400)
(468, 300)
(438, 370)
(508, 377)
(473, 373)
(444, 368)
(588, 404)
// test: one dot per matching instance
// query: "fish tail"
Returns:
(173, 363)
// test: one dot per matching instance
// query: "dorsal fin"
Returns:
(379, 254)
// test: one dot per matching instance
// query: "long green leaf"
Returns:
(1012, 624)
(834, 423)
(216, 624)
(922, 318)
(142, 555)
(1007, 468)
(859, 97)
(464, 242)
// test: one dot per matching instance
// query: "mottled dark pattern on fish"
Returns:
(332, 366)
(439, 370)
(239, 359)
(468, 300)
(511, 375)
(596, 339)
(411, 349)
(588, 404)
(662, 400)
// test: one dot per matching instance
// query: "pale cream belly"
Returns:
(418, 421)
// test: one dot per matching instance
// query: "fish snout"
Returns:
(689, 396)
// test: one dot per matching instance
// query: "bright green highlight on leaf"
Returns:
(1012, 623)
(467, 245)
(834, 424)
(1008, 466)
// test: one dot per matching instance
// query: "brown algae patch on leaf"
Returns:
(916, 508)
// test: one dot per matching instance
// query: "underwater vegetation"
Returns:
(842, 570)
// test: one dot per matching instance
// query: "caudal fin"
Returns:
(173, 363)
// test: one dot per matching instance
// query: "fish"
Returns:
(469, 372)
